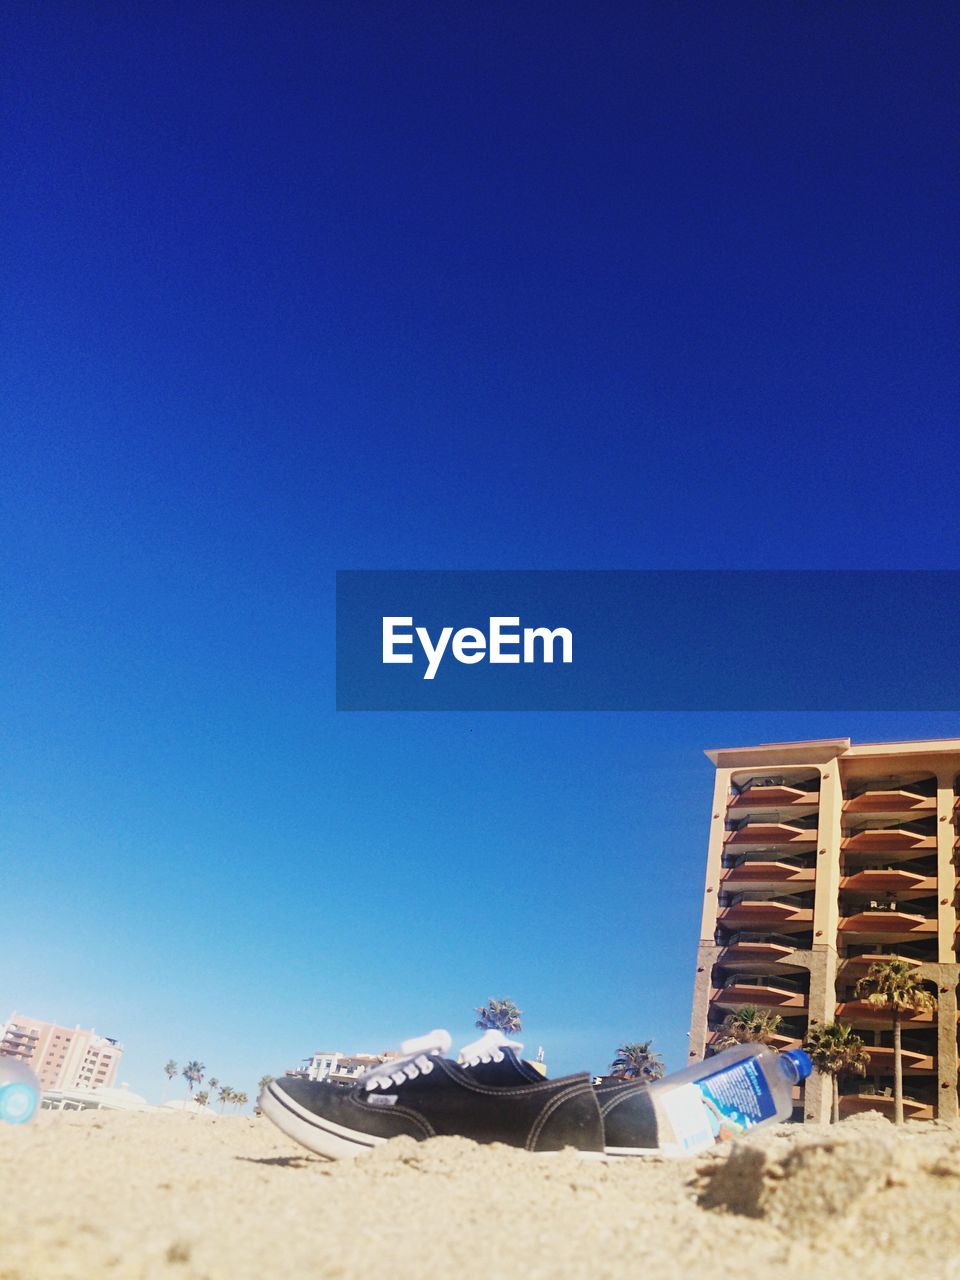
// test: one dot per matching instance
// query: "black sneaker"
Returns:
(630, 1126)
(424, 1095)
(629, 1119)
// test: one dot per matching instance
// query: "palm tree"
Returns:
(240, 1099)
(836, 1050)
(499, 1015)
(637, 1061)
(224, 1096)
(893, 985)
(202, 1098)
(213, 1084)
(749, 1025)
(171, 1070)
(193, 1074)
(263, 1082)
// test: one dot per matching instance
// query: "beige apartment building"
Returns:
(824, 857)
(62, 1057)
(333, 1065)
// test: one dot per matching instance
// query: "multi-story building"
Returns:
(823, 858)
(327, 1065)
(62, 1057)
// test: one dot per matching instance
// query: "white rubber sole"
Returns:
(322, 1137)
(631, 1153)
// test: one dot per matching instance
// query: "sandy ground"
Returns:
(181, 1197)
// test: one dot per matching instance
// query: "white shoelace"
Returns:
(415, 1060)
(489, 1048)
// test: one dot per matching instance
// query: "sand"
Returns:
(117, 1195)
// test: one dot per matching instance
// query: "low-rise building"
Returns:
(327, 1065)
(122, 1099)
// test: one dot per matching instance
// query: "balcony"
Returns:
(779, 993)
(770, 833)
(891, 800)
(864, 961)
(745, 950)
(773, 793)
(769, 873)
(891, 922)
(852, 1104)
(776, 1041)
(888, 880)
(914, 1061)
(861, 1013)
(888, 840)
(744, 911)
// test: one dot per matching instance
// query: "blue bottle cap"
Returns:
(802, 1062)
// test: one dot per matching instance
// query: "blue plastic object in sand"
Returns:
(19, 1091)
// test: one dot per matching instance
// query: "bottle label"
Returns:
(720, 1106)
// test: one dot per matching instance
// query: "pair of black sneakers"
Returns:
(491, 1095)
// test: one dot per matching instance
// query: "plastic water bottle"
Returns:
(19, 1091)
(726, 1096)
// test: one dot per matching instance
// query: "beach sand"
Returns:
(115, 1195)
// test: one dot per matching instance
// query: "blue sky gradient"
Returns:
(289, 290)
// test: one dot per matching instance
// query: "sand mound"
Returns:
(863, 1180)
(177, 1197)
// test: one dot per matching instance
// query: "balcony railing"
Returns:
(919, 868)
(749, 936)
(733, 860)
(804, 790)
(911, 952)
(776, 983)
(876, 907)
(779, 900)
(880, 830)
(795, 823)
(765, 799)
(785, 1038)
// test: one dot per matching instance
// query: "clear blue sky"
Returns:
(292, 288)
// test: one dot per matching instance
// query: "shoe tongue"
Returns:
(489, 1048)
(416, 1058)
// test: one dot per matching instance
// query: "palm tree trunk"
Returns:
(897, 1070)
(835, 1108)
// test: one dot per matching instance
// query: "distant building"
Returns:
(325, 1065)
(64, 1058)
(122, 1099)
